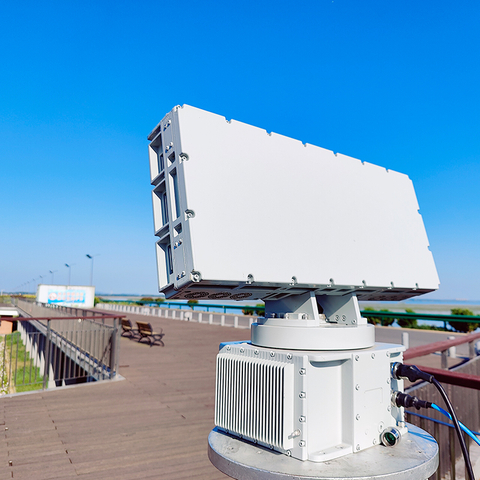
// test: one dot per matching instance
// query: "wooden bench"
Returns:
(127, 328)
(145, 330)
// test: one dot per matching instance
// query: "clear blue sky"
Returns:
(82, 84)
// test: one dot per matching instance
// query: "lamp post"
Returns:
(91, 269)
(52, 272)
(69, 271)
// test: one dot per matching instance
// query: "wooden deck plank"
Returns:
(153, 424)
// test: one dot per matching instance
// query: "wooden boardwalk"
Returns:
(153, 424)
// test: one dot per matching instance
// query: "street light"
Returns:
(91, 270)
(52, 272)
(69, 271)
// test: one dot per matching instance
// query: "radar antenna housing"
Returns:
(239, 214)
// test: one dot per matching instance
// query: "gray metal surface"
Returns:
(316, 242)
(416, 457)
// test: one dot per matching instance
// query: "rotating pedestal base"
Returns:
(414, 458)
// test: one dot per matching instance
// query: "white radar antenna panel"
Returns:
(241, 213)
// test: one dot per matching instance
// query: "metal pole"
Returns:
(47, 355)
(114, 349)
(444, 360)
(452, 452)
(436, 434)
(91, 269)
(471, 350)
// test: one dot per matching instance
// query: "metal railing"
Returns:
(46, 353)
(223, 319)
(53, 351)
(200, 306)
(448, 449)
(462, 384)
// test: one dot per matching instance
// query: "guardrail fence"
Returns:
(53, 351)
(223, 319)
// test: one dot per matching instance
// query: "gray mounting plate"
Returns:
(415, 458)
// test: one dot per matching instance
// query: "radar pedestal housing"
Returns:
(240, 214)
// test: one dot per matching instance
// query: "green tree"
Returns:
(372, 320)
(383, 321)
(408, 322)
(251, 311)
(192, 303)
(463, 327)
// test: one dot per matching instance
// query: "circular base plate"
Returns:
(326, 337)
(414, 458)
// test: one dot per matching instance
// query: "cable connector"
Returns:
(413, 373)
(400, 399)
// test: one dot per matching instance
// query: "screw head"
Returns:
(357, 448)
(302, 371)
(372, 355)
(272, 354)
(242, 350)
(229, 347)
(255, 351)
(289, 356)
(388, 381)
(302, 443)
(357, 387)
(302, 394)
(357, 358)
(357, 416)
(302, 419)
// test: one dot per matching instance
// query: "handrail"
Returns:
(423, 350)
(140, 303)
(454, 378)
(27, 319)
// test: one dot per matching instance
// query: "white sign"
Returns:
(67, 296)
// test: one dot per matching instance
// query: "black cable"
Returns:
(413, 373)
(466, 456)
